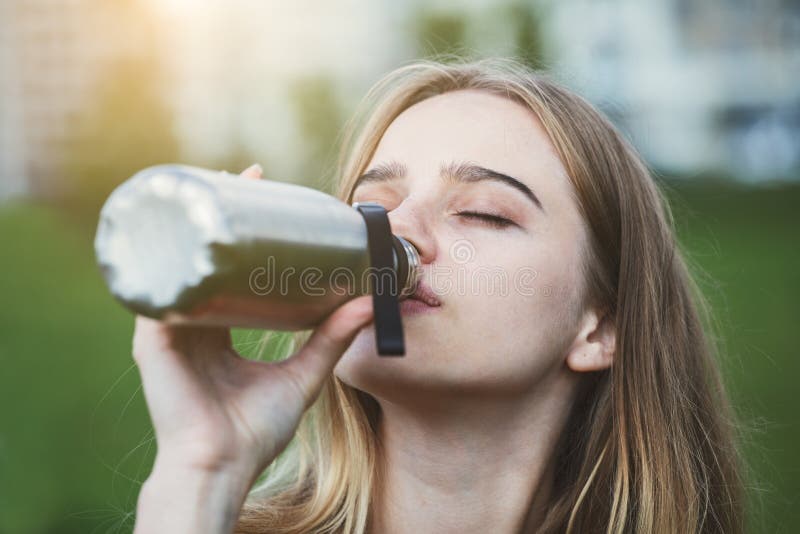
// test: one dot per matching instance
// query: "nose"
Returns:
(409, 221)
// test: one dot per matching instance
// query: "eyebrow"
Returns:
(453, 172)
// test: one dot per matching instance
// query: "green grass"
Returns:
(745, 244)
(75, 442)
(67, 423)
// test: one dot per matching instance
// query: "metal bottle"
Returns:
(190, 245)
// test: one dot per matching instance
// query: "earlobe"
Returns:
(595, 345)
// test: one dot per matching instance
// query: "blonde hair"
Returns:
(650, 442)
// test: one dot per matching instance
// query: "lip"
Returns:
(414, 306)
(424, 293)
(422, 300)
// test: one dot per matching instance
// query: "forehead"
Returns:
(470, 125)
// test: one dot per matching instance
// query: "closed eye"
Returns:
(490, 219)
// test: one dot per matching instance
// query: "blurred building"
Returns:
(12, 146)
(47, 60)
(53, 54)
(236, 76)
(699, 86)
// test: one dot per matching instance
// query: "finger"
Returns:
(317, 358)
(253, 171)
(160, 345)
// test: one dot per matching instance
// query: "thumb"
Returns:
(312, 364)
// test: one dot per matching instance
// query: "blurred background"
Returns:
(92, 91)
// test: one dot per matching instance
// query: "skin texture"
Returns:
(471, 415)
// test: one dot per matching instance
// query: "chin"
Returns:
(387, 376)
(422, 344)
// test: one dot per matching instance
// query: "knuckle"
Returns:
(331, 338)
(148, 337)
(138, 342)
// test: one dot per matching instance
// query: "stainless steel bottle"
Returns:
(191, 245)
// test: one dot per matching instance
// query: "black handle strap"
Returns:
(388, 325)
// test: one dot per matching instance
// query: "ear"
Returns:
(595, 345)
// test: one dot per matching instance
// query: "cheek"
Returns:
(505, 334)
(519, 319)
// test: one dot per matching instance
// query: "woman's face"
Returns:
(509, 291)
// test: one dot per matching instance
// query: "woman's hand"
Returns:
(214, 411)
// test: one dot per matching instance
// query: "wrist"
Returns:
(178, 498)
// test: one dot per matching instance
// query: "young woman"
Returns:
(580, 395)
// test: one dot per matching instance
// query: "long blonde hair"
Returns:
(650, 445)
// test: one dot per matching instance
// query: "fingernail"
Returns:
(255, 167)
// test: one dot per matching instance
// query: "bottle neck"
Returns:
(407, 265)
